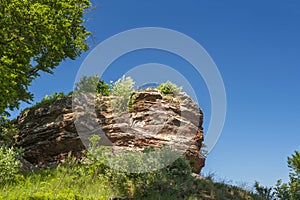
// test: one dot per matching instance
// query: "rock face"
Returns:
(48, 133)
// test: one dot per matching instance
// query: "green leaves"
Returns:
(36, 36)
(9, 164)
(290, 190)
(169, 88)
(122, 91)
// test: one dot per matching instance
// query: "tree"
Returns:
(92, 84)
(264, 192)
(87, 84)
(291, 190)
(122, 91)
(35, 36)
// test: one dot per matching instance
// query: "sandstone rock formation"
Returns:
(48, 133)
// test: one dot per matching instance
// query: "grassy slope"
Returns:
(75, 182)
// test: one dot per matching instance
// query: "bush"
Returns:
(169, 88)
(144, 175)
(92, 84)
(152, 178)
(103, 88)
(87, 84)
(9, 164)
(47, 100)
(122, 91)
(96, 157)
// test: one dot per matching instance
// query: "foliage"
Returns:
(8, 130)
(103, 88)
(169, 88)
(290, 190)
(67, 181)
(92, 84)
(131, 102)
(96, 157)
(122, 91)
(90, 178)
(36, 36)
(282, 190)
(264, 192)
(9, 164)
(47, 100)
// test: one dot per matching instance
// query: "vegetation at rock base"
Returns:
(9, 163)
(90, 178)
(35, 36)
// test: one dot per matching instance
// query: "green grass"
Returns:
(63, 182)
(90, 178)
(67, 182)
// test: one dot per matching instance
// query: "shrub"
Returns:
(131, 102)
(151, 178)
(122, 91)
(103, 88)
(92, 84)
(87, 84)
(169, 88)
(9, 164)
(172, 180)
(49, 99)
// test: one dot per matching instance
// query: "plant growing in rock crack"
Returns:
(131, 102)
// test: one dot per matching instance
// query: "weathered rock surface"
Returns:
(48, 133)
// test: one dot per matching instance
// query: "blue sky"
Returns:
(256, 46)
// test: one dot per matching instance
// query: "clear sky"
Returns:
(256, 46)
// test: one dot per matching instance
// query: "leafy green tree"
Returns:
(92, 84)
(35, 36)
(87, 84)
(103, 88)
(291, 190)
(264, 193)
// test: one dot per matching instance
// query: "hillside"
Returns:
(163, 132)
